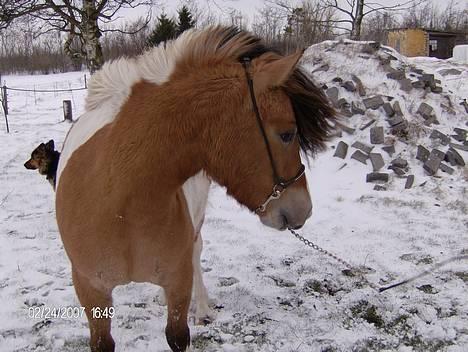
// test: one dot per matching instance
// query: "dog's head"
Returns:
(41, 157)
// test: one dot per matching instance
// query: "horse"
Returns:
(213, 105)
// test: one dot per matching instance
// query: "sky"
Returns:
(250, 7)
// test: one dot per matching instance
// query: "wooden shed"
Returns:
(424, 42)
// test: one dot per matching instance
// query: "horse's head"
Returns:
(257, 151)
(279, 194)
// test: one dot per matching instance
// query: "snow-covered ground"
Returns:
(271, 293)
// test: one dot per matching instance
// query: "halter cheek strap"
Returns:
(280, 184)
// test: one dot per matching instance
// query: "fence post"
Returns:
(5, 106)
(85, 82)
(67, 110)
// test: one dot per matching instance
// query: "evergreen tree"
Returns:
(186, 20)
(165, 30)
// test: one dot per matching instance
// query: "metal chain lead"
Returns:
(331, 255)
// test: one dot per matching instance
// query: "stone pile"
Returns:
(394, 126)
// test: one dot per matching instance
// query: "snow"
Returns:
(270, 292)
(460, 54)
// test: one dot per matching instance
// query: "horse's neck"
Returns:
(155, 141)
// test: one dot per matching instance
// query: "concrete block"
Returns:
(409, 181)
(418, 84)
(400, 128)
(397, 108)
(399, 162)
(324, 68)
(388, 109)
(450, 71)
(459, 146)
(379, 188)
(360, 87)
(428, 78)
(417, 70)
(363, 147)
(395, 120)
(459, 138)
(454, 157)
(439, 135)
(373, 103)
(422, 153)
(332, 94)
(376, 161)
(357, 109)
(341, 150)
(445, 168)
(377, 135)
(360, 156)
(397, 74)
(367, 124)
(377, 177)
(342, 103)
(436, 89)
(397, 170)
(461, 132)
(349, 86)
(433, 162)
(425, 110)
(389, 149)
(406, 85)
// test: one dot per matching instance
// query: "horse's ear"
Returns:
(272, 72)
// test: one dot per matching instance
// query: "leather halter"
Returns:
(280, 184)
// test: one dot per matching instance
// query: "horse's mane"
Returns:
(314, 115)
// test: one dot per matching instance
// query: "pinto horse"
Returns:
(214, 104)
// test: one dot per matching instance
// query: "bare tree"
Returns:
(450, 18)
(353, 12)
(81, 19)
(302, 24)
(375, 27)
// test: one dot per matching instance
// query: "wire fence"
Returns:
(5, 102)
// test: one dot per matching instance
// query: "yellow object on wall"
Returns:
(409, 42)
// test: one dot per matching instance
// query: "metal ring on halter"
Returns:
(278, 190)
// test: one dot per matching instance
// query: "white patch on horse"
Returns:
(110, 87)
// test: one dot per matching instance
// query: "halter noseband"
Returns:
(280, 184)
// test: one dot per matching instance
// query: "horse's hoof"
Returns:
(204, 316)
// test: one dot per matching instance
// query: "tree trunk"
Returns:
(357, 22)
(91, 34)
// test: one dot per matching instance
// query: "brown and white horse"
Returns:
(213, 104)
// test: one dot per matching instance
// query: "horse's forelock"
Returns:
(314, 115)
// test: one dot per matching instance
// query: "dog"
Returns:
(45, 159)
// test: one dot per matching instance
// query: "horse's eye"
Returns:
(287, 137)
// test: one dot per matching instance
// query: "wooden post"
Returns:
(85, 82)
(67, 110)
(5, 106)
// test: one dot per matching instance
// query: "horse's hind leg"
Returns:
(90, 297)
(203, 313)
(178, 295)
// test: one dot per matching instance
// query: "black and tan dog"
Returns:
(45, 159)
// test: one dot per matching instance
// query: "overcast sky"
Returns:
(250, 7)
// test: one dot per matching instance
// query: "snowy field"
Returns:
(270, 292)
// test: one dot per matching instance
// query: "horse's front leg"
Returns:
(95, 303)
(178, 294)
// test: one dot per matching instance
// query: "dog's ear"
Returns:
(50, 145)
(41, 146)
